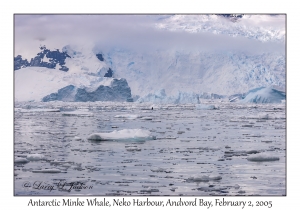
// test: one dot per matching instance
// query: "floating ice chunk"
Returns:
(125, 134)
(51, 170)
(132, 149)
(78, 113)
(158, 170)
(262, 158)
(170, 137)
(205, 107)
(35, 157)
(60, 162)
(77, 138)
(39, 110)
(127, 116)
(204, 178)
(146, 118)
(21, 160)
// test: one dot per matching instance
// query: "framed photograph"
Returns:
(150, 105)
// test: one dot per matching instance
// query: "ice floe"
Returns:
(125, 134)
(205, 106)
(146, 118)
(39, 110)
(204, 178)
(78, 113)
(127, 116)
(52, 170)
(35, 157)
(262, 158)
(21, 160)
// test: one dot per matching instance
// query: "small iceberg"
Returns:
(146, 118)
(262, 158)
(21, 160)
(78, 113)
(127, 116)
(35, 157)
(205, 107)
(258, 117)
(52, 170)
(204, 178)
(39, 110)
(125, 134)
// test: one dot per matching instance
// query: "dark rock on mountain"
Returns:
(20, 63)
(55, 57)
(100, 57)
(232, 17)
(109, 73)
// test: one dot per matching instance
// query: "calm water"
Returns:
(196, 152)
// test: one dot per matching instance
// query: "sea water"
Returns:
(235, 149)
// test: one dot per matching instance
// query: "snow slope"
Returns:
(33, 83)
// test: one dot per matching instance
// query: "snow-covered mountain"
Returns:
(189, 56)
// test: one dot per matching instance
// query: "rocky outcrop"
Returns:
(20, 63)
(53, 57)
(109, 73)
(100, 57)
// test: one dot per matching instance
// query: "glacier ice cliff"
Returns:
(179, 98)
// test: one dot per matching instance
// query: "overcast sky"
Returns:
(131, 31)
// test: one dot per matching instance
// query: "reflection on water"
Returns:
(191, 149)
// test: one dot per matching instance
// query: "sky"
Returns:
(140, 32)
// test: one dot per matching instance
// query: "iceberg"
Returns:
(125, 134)
(78, 113)
(264, 95)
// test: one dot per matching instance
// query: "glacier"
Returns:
(161, 73)
(162, 98)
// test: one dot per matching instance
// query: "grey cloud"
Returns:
(129, 31)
